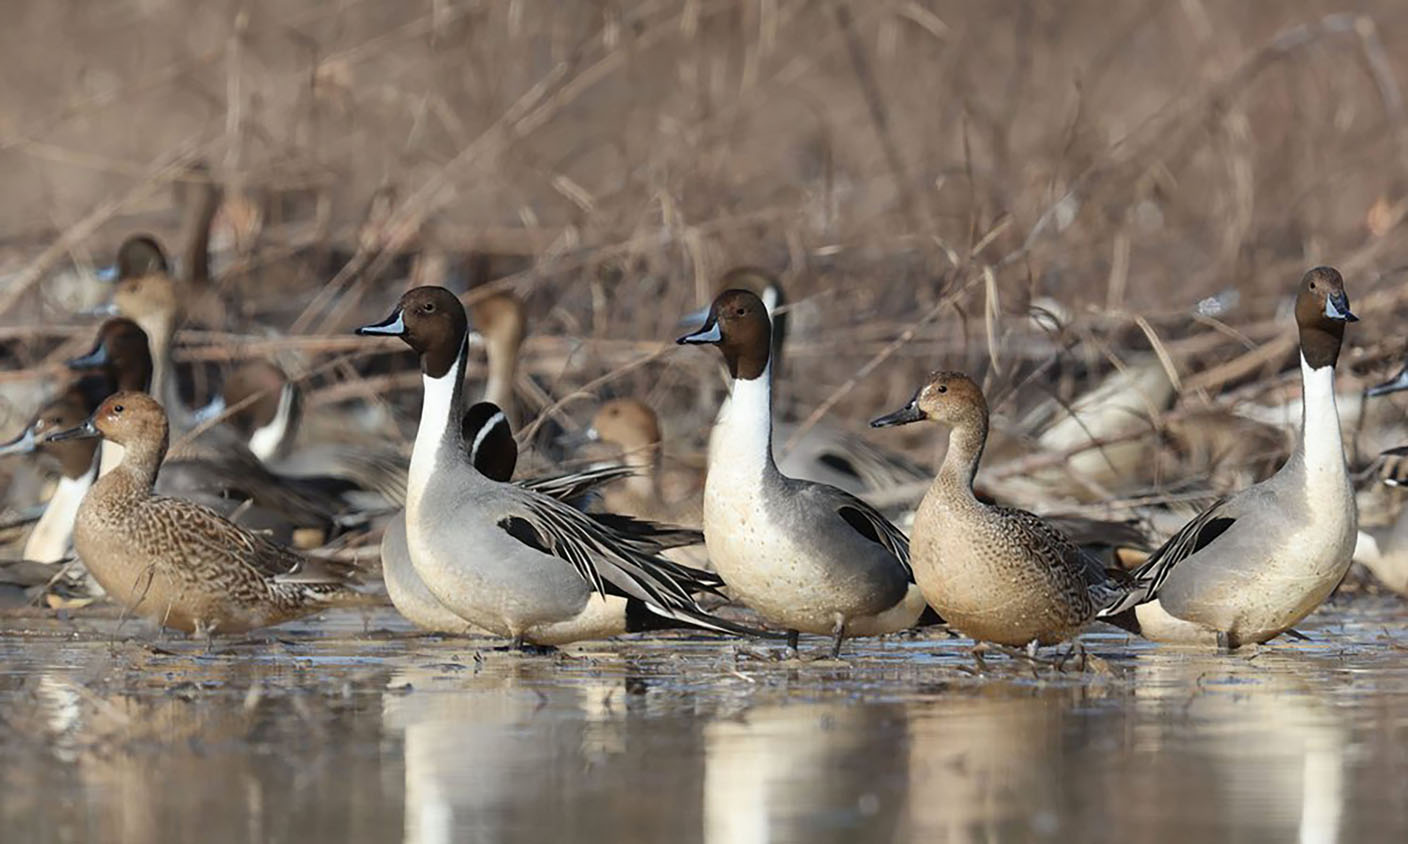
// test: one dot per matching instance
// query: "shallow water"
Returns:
(348, 729)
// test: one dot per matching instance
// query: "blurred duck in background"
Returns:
(51, 539)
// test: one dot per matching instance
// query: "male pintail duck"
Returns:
(262, 405)
(806, 556)
(998, 574)
(493, 451)
(52, 536)
(823, 454)
(507, 559)
(178, 562)
(632, 426)
(1254, 564)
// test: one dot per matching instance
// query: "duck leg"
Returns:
(838, 633)
(792, 637)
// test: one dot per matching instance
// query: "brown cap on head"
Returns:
(432, 321)
(628, 423)
(738, 324)
(1322, 309)
(140, 255)
(121, 353)
(948, 397)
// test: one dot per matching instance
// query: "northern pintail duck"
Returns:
(1383, 549)
(262, 405)
(501, 325)
(493, 451)
(178, 562)
(147, 294)
(507, 559)
(52, 536)
(1254, 564)
(998, 574)
(806, 556)
(821, 453)
(632, 426)
(216, 468)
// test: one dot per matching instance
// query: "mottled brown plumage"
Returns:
(997, 574)
(178, 562)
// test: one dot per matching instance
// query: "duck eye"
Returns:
(117, 408)
(740, 311)
(428, 307)
(943, 388)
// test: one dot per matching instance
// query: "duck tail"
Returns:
(644, 616)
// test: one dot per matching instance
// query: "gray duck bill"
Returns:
(392, 326)
(86, 431)
(1337, 307)
(96, 359)
(23, 444)
(709, 333)
(905, 415)
(1393, 385)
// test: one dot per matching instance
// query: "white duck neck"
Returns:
(439, 427)
(1320, 440)
(742, 435)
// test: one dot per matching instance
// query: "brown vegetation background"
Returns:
(919, 173)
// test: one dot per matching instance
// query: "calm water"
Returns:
(349, 730)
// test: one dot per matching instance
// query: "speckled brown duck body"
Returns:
(997, 574)
(180, 563)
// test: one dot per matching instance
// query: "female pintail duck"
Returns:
(1254, 564)
(510, 560)
(998, 574)
(806, 556)
(52, 536)
(823, 454)
(501, 325)
(179, 562)
(215, 468)
(632, 426)
(147, 294)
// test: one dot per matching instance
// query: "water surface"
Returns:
(350, 729)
